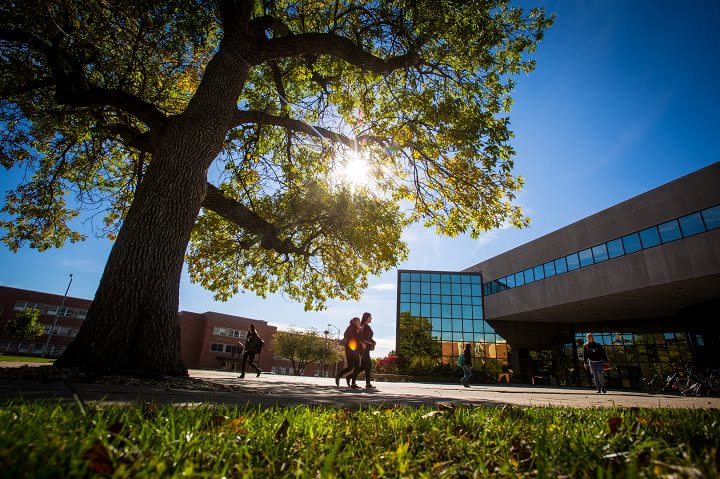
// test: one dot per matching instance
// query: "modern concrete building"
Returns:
(643, 276)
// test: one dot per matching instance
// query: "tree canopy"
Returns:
(274, 146)
(24, 326)
(305, 347)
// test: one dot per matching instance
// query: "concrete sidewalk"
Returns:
(280, 390)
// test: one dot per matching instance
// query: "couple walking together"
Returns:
(358, 341)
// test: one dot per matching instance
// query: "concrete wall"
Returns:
(658, 280)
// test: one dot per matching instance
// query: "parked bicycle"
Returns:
(686, 383)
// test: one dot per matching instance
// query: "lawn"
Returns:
(24, 359)
(48, 439)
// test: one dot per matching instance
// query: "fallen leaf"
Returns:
(614, 423)
(282, 430)
(99, 459)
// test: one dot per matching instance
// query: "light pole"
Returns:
(62, 303)
(338, 338)
(326, 332)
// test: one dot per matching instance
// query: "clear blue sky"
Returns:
(625, 97)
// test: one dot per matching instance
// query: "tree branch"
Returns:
(247, 219)
(260, 117)
(335, 45)
(72, 87)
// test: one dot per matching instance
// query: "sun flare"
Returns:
(354, 170)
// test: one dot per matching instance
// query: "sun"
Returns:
(353, 169)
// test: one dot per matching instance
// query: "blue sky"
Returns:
(625, 97)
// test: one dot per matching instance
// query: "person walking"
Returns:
(467, 365)
(351, 342)
(595, 357)
(253, 346)
(368, 343)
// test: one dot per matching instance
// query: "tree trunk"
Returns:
(132, 325)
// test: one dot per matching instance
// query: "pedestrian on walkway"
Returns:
(595, 357)
(368, 344)
(353, 350)
(467, 365)
(253, 346)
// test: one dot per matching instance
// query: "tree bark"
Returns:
(132, 325)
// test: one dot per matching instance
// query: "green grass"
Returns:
(24, 359)
(47, 439)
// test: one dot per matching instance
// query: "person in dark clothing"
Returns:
(467, 365)
(595, 357)
(368, 344)
(253, 346)
(353, 345)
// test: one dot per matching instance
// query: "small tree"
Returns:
(299, 347)
(24, 326)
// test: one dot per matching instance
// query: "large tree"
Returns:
(223, 134)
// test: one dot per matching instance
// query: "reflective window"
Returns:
(711, 216)
(510, 281)
(528, 274)
(573, 262)
(669, 231)
(519, 279)
(560, 266)
(692, 224)
(649, 237)
(631, 243)
(549, 269)
(538, 272)
(586, 258)
(615, 248)
(599, 253)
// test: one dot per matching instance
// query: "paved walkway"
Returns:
(271, 390)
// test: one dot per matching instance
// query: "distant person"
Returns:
(351, 342)
(368, 344)
(467, 365)
(253, 346)
(237, 350)
(595, 357)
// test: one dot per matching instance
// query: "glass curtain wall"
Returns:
(638, 354)
(438, 313)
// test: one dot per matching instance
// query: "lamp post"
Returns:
(62, 304)
(326, 332)
(338, 338)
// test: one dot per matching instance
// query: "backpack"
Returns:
(255, 344)
(461, 360)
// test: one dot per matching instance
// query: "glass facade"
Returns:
(673, 230)
(637, 354)
(438, 313)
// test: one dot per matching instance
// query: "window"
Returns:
(631, 243)
(669, 231)
(599, 253)
(228, 348)
(549, 269)
(692, 224)
(615, 248)
(650, 237)
(560, 266)
(539, 272)
(586, 258)
(510, 281)
(528, 275)
(519, 279)
(216, 347)
(712, 217)
(573, 262)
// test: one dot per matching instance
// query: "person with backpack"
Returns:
(465, 360)
(253, 346)
(366, 337)
(353, 350)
